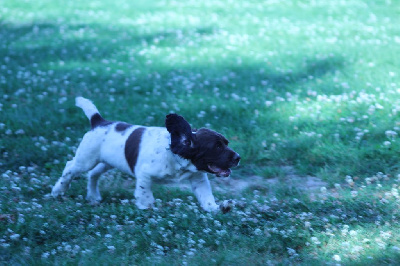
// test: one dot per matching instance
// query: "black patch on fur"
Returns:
(98, 121)
(122, 126)
(132, 147)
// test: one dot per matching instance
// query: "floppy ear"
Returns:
(181, 135)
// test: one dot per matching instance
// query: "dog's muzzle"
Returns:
(224, 172)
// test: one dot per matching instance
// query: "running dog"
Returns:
(151, 154)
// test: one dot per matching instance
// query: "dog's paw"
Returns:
(143, 205)
(94, 199)
(57, 191)
(60, 187)
(47, 196)
(226, 206)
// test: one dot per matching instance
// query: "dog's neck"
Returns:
(182, 164)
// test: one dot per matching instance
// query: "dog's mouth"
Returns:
(219, 171)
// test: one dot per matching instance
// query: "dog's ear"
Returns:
(181, 135)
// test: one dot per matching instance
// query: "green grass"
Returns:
(313, 85)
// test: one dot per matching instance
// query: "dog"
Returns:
(151, 154)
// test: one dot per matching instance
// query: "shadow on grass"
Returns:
(45, 42)
(33, 51)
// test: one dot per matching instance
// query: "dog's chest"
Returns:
(174, 170)
(158, 162)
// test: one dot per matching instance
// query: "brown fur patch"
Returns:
(132, 146)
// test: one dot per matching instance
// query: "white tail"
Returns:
(87, 106)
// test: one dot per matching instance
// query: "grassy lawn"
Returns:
(310, 85)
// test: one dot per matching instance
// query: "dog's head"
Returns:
(208, 150)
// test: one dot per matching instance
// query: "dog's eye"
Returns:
(219, 145)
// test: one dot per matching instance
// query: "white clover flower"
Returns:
(390, 134)
(257, 232)
(381, 245)
(346, 244)
(395, 192)
(217, 223)
(190, 253)
(14, 237)
(4, 245)
(356, 249)
(201, 114)
(385, 235)
(336, 258)
(221, 232)
(315, 240)
(20, 132)
(396, 248)
(291, 252)
(354, 193)
(349, 179)
(124, 201)
(269, 103)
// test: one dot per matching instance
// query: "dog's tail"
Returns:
(90, 111)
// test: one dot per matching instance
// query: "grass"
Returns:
(313, 85)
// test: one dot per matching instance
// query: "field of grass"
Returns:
(310, 85)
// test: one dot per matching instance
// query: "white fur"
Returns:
(87, 106)
(103, 148)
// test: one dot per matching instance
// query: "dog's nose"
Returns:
(236, 158)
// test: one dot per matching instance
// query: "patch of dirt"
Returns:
(307, 183)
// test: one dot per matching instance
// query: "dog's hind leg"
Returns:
(93, 192)
(71, 170)
(85, 159)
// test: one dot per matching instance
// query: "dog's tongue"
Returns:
(219, 171)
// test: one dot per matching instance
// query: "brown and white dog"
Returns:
(151, 154)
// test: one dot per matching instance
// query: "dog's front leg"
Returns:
(202, 189)
(143, 194)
